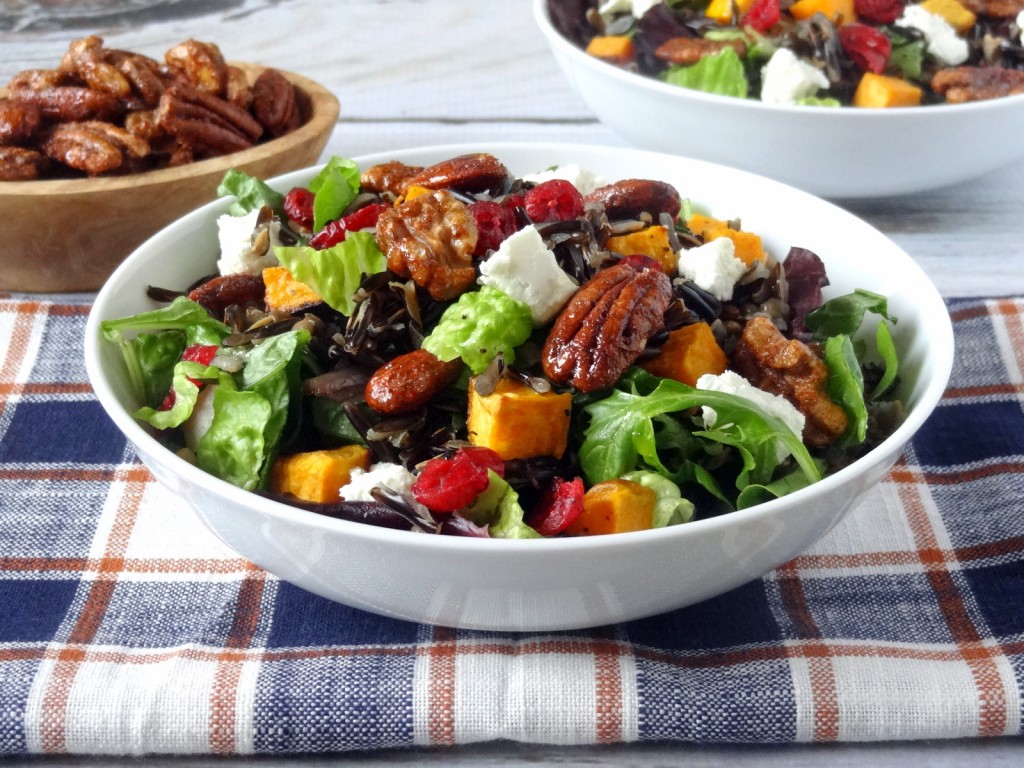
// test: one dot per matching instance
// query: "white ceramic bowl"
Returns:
(833, 152)
(551, 583)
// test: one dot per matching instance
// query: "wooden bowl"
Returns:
(69, 234)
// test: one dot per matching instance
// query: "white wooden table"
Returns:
(412, 73)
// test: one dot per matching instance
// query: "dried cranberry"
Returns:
(494, 222)
(868, 47)
(640, 262)
(449, 484)
(335, 231)
(878, 11)
(558, 508)
(196, 353)
(554, 200)
(298, 205)
(762, 16)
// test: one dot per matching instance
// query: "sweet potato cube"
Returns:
(617, 49)
(839, 12)
(749, 247)
(518, 423)
(875, 91)
(317, 476)
(286, 294)
(689, 353)
(652, 242)
(721, 10)
(615, 506)
(959, 17)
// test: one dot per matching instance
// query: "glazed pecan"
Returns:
(93, 146)
(790, 368)
(274, 104)
(1003, 9)
(237, 89)
(388, 177)
(144, 78)
(628, 198)
(690, 50)
(70, 102)
(18, 121)
(200, 64)
(430, 239)
(478, 172)
(20, 164)
(410, 381)
(605, 326)
(37, 79)
(219, 293)
(963, 84)
(85, 60)
(207, 124)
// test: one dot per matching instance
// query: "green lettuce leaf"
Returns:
(846, 386)
(499, 509)
(234, 447)
(720, 73)
(249, 192)
(335, 273)
(186, 392)
(333, 188)
(844, 314)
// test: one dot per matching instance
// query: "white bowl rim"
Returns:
(665, 90)
(941, 340)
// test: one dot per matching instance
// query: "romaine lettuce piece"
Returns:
(335, 272)
(333, 188)
(249, 192)
(720, 73)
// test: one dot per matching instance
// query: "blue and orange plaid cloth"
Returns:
(127, 628)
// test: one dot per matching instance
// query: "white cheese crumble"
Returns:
(1020, 27)
(787, 78)
(526, 270)
(235, 236)
(713, 266)
(636, 7)
(732, 383)
(943, 42)
(584, 181)
(360, 482)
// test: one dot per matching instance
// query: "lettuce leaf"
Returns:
(335, 273)
(250, 193)
(333, 188)
(720, 73)
(234, 448)
(185, 383)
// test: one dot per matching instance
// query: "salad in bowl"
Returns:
(459, 349)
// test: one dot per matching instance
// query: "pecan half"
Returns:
(478, 172)
(37, 79)
(274, 104)
(410, 381)
(70, 102)
(208, 124)
(388, 177)
(18, 121)
(690, 50)
(790, 368)
(605, 327)
(431, 239)
(200, 64)
(93, 147)
(628, 198)
(85, 60)
(219, 293)
(963, 84)
(237, 89)
(20, 164)
(145, 81)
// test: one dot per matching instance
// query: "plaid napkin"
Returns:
(125, 627)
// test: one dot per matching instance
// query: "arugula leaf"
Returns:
(335, 273)
(846, 385)
(843, 315)
(333, 188)
(756, 493)
(887, 351)
(249, 192)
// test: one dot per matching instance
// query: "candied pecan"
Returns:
(690, 50)
(85, 60)
(70, 102)
(143, 77)
(628, 198)
(963, 84)
(200, 64)
(18, 121)
(37, 79)
(20, 164)
(93, 146)
(219, 293)
(388, 177)
(430, 238)
(605, 326)
(790, 368)
(144, 124)
(1003, 9)
(410, 381)
(236, 87)
(208, 124)
(478, 172)
(274, 104)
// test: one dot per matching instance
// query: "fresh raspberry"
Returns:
(494, 222)
(558, 508)
(866, 46)
(298, 205)
(878, 11)
(196, 353)
(554, 200)
(762, 16)
(449, 484)
(337, 230)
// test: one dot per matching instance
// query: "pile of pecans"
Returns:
(105, 112)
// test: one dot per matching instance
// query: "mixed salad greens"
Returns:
(867, 53)
(325, 368)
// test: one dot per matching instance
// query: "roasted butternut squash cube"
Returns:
(517, 422)
(959, 17)
(876, 91)
(652, 242)
(617, 49)
(721, 10)
(615, 506)
(839, 12)
(749, 247)
(689, 353)
(411, 192)
(286, 294)
(318, 476)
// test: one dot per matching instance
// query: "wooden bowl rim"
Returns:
(324, 110)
